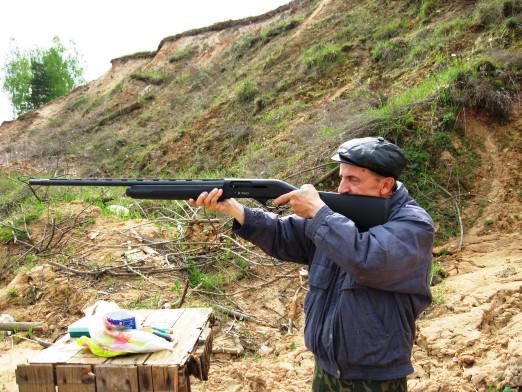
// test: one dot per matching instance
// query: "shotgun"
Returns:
(364, 211)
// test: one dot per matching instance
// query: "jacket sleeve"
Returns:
(280, 237)
(395, 256)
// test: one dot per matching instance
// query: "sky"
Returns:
(104, 30)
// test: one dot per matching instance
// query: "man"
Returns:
(366, 288)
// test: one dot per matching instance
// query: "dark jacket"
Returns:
(366, 289)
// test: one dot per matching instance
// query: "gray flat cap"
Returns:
(373, 153)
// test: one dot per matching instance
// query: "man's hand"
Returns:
(209, 201)
(304, 202)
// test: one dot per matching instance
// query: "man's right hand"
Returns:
(231, 207)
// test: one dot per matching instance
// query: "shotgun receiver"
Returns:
(365, 211)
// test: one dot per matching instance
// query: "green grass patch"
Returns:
(12, 293)
(264, 36)
(246, 91)
(494, 12)
(422, 91)
(322, 55)
(388, 52)
(205, 281)
(390, 29)
(437, 273)
(439, 294)
(149, 77)
(77, 102)
(182, 54)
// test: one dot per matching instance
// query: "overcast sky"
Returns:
(103, 30)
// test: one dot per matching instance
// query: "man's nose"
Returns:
(344, 187)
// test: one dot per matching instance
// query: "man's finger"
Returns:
(283, 199)
(201, 198)
(215, 195)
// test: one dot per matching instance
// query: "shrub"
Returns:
(246, 91)
(484, 88)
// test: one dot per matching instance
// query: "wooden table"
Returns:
(66, 367)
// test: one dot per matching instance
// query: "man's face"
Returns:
(357, 180)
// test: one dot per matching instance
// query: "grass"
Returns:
(246, 91)
(494, 12)
(150, 302)
(205, 281)
(182, 54)
(12, 293)
(390, 29)
(436, 274)
(438, 294)
(390, 51)
(421, 92)
(322, 55)
(264, 36)
(149, 77)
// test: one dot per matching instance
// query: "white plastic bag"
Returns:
(107, 340)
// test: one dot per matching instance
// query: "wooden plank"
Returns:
(35, 378)
(75, 378)
(199, 362)
(163, 318)
(86, 357)
(184, 381)
(145, 379)
(116, 378)
(140, 315)
(131, 359)
(59, 352)
(165, 378)
(187, 330)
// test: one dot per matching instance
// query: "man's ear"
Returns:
(387, 186)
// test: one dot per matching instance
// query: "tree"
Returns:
(37, 76)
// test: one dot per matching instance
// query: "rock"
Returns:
(118, 210)
(419, 355)
(286, 366)
(466, 359)
(513, 374)
(264, 350)
(6, 318)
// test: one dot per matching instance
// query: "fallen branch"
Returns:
(16, 326)
(41, 342)
(183, 295)
(235, 313)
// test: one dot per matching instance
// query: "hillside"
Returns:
(273, 96)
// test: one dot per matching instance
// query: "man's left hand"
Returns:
(304, 202)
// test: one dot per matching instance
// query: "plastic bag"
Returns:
(108, 340)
